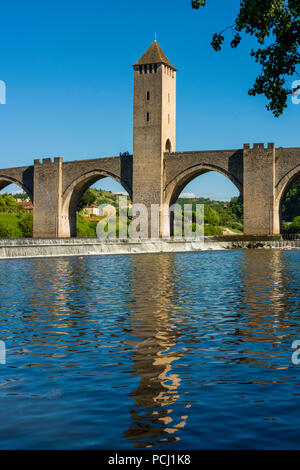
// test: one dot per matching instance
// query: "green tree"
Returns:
(89, 197)
(294, 227)
(236, 206)
(23, 196)
(276, 26)
(9, 205)
(291, 203)
(211, 216)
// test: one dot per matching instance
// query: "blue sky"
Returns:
(67, 67)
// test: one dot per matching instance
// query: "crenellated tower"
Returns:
(154, 123)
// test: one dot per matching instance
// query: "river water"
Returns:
(157, 351)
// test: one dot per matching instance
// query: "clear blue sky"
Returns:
(67, 67)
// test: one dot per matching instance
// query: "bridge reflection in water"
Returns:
(154, 334)
(165, 350)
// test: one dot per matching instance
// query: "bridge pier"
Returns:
(260, 216)
(47, 216)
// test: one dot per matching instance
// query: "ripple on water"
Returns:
(166, 351)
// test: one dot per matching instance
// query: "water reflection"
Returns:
(266, 297)
(171, 351)
(154, 333)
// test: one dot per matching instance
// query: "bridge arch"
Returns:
(177, 184)
(7, 180)
(174, 188)
(282, 187)
(73, 193)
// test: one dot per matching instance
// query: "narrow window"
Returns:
(145, 68)
(141, 69)
(169, 97)
(155, 68)
(148, 117)
(148, 95)
(168, 147)
(168, 118)
(150, 68)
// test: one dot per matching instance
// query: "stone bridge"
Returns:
(261, 174)
(156, 173)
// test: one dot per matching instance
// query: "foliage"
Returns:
(9, 226)
(276, 26)
(26, 225)
(212, 230)
(97, 197)
(211, 216)
(291, 203)
(294, 227)
(23, 196)
(84, 228)
(219, 213)
(88, 198)
(9, 205)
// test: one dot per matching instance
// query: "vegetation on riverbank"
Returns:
(220, 217)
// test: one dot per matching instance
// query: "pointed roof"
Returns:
(154, 55)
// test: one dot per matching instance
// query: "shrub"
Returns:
(26, 225)
(212, 230)
(84, 228)
(9, 230)
(211, 216)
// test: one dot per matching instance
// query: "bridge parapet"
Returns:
(260, 146)
(47, 161)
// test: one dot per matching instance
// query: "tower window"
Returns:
(148, 95)
(145, 68)
(150, 68)
(168, 118)
(168, 147)
(148, 117)
(169, 97)
(141, 69)
(155, 68)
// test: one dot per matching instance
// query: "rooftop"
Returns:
(154, 55)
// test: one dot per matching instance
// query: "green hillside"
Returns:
(219, 216)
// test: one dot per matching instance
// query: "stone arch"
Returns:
(175, 187)
(73, 193)
(177, 184)
(7, 180)
(281, 189)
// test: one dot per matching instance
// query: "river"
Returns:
(155, 351)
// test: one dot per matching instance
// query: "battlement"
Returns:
(47, 161)
(260, 146)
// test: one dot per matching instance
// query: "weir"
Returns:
(36, 248)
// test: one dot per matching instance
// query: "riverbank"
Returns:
(37, 248)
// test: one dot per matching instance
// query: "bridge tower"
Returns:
(154, 127)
